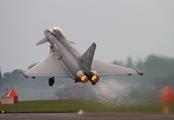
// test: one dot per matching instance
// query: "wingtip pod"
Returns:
(24, 74)
(138, 71)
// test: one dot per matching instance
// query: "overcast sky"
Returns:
(120, 28)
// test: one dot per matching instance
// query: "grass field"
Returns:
(67, 106)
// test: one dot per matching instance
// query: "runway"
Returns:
(86, 116)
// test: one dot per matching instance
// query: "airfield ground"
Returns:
(73, 106)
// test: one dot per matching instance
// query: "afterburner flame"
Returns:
(84, 79)
(95, 79)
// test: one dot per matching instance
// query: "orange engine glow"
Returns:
(84, 79)
(95, 78)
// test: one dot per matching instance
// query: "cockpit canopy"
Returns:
(57, 32)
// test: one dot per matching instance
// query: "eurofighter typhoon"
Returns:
(65, 61)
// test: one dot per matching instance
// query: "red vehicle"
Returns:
(72, 91)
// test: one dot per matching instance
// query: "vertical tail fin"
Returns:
(87, 57)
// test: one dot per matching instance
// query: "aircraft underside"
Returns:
(63, 59)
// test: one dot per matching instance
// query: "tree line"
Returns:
(156, 69)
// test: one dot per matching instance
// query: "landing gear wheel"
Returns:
(51, 81)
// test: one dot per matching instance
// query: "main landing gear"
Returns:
(51, 81)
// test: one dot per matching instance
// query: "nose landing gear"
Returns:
(51, 81)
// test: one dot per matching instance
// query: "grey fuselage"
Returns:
(67, 55)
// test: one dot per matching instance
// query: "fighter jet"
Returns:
(65, 61)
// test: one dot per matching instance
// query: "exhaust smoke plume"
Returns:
(117, 92)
